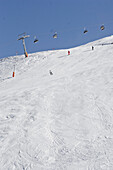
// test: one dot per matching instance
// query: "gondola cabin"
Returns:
(85, 31)
(102, 27)
(36, 40)
(55, 35)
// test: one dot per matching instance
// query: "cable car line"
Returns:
(54, 35)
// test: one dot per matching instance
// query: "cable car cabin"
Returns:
(36, 40)
(102, 27)
(85, 31)
(55, 35)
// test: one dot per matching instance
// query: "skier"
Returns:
(92, 48)
(50, 72)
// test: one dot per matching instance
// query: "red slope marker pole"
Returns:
(13, 72)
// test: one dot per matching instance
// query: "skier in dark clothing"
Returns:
(50, 72)
(92, 48)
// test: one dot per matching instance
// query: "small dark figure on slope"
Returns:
(92, 48)
(50, 72)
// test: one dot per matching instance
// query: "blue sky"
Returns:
(42, 18)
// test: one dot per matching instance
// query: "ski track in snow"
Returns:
(58, 122)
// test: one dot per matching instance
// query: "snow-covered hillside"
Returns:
(62, 121)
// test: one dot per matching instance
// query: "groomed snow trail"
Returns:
(62, 121)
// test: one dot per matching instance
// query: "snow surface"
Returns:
(62, 121)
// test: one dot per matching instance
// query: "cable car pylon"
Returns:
(22, 37)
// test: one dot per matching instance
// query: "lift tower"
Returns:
(22, 37)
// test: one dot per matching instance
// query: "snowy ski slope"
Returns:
(62, 121)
